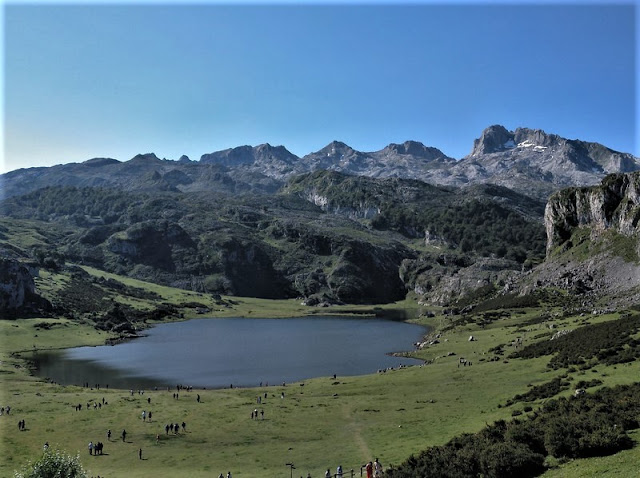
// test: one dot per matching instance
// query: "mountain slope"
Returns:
(534, 162)
(144, 172)
(325, 237)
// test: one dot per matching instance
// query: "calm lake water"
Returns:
(216, 353)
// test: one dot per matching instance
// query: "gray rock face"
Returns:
(273, 161)
(493, 139)
(534, 162)
(614, 204)
(15, 284)
(17, 289)
(408, 160)
(601, 259)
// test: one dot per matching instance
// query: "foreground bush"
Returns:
(53, 464)
(583, 426)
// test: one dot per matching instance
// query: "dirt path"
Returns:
(351, 424)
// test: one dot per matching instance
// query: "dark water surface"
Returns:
(216, 353)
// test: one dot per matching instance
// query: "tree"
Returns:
(53, 464)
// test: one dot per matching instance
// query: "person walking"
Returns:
(327, 474)
(369, 469)
(377, 469)
(140, 454)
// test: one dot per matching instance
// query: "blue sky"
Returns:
(115, 80)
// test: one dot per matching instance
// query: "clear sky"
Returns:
(118, 79)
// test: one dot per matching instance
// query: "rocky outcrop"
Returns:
(18, 290)
(446, 278)
(614, 204)
(272, 161)
(536, 163)
(410, 159)
(593, 244)
(152, 243)
(493, 139)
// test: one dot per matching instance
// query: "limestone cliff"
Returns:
(593, 243)
(614, 204)
(17, 290)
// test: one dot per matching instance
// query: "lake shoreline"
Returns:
(205, 344)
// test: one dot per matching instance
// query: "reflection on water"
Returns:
(216, 353)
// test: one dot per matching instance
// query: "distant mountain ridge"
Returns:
(526, 160)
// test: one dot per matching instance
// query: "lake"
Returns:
(218, 353)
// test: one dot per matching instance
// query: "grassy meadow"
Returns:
(319, 424)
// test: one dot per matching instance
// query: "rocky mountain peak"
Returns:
(230, 157)
(266, 151)
(98, 162)
(524, 137)
(250, 156)
(416, 149)
(336, 147)
(184, 159)
(493, 139)
(145, 157)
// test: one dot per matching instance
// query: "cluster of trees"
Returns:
(607, 342)
(483, 227)
(545, 390)
(508, 301)
(45, 203)
(583, 426)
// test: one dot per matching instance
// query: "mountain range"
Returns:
(334, 226)
(526, 160)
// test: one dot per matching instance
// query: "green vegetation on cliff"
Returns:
(278, 245)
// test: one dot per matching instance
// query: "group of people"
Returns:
(338, 474)
(96, 405)
(174, 428)
(95, 385)
(373, 469)
(5, 409)
(95, 448)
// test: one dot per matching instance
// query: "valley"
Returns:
(529, 289)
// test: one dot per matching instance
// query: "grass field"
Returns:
(318, 425)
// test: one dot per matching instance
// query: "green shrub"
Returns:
(584, 426)
(610, 342)
(53, 464)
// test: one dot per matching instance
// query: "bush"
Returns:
(53, 464)
(584, 426)
(546, 390)
(609, 342)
